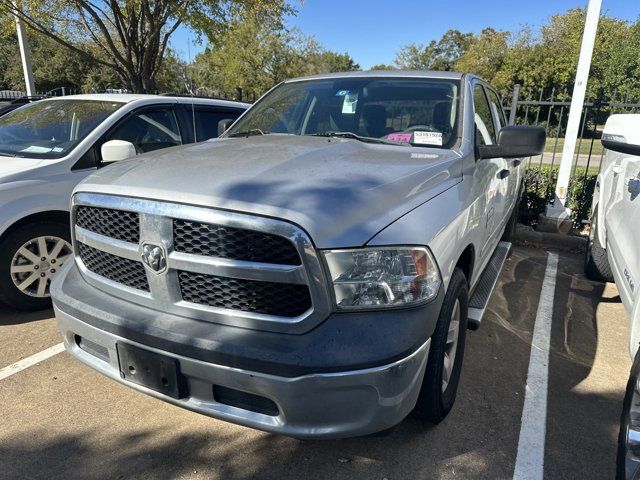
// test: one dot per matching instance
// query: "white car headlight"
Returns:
(383, 276)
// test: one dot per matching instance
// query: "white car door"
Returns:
(622, 213)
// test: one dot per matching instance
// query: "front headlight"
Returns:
(383, 276)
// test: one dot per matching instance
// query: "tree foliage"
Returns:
(544, 58)
(254, 55)
(129, 37)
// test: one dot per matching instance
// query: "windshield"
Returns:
(417, 111)
(51, 128)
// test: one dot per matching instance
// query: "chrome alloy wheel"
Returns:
(36, 262)
(631, 437)
(451, 346)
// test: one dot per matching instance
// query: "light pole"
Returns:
(25, 54)
(557, 215)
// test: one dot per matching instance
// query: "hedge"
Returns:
(539, 191)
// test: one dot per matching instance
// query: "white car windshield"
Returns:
(50, 129)
(402, 111)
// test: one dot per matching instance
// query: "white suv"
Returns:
(47, 147)
(613, 256)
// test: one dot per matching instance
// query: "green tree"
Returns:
(129, 37)
(485, 56)
(255, 55)
(436, 55)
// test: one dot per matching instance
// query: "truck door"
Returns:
(511, 181)
(489, 172)
(623, 228)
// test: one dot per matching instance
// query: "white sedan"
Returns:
(47, 147)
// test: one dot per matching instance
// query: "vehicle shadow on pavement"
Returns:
(9, 316)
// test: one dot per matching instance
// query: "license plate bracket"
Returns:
(152, 370)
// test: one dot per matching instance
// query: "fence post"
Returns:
(514, 104)
(239, 91)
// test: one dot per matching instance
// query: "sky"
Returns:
(373, 31)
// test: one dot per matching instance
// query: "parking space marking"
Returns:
(30, 361)
(530, 456)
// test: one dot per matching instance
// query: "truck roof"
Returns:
(385, 73)
(132, 97)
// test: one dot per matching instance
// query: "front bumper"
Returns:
(353, 375)
(330, 405)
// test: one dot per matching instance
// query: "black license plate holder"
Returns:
(152, 370)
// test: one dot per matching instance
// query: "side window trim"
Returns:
(499, 110)
(479, 85)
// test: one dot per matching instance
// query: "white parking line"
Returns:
(30, 361)
(530, 457)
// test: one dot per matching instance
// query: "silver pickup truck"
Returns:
(314, 271)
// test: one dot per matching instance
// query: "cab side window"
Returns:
(149, 129)
(496, 108)
(206, 121)
(485, 129)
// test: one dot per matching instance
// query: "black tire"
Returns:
(627, 469)
(433, 403)
(9, 293)
(596, 263)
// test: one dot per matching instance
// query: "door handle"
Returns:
(516, 163)
(502, 174)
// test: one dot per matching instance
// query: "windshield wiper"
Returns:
(248, 133)
(358, 137)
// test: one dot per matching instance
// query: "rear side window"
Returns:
(206, 121)
(496, 108)
(486, 132)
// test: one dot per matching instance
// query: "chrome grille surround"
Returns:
(156, 227)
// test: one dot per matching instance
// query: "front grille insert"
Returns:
(233, 243)
(118, 224)
(268, 298)
(117, 269)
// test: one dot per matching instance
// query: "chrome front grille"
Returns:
(280, 299)
(118, 224)
(234, 243)
(117, 269)
(217, 266)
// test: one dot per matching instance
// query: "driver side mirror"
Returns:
(224, 124)
(622, 134)
(116, 150)
(516, 141)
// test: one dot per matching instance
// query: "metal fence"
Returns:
(550, 109)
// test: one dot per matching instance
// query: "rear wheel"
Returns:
(440, 383)
(628, 464)
(30, 257)
(596, 263)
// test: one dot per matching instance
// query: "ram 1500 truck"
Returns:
(314, 271)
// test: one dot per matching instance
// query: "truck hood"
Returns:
(341, 191)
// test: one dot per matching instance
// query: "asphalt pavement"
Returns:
(61, 420)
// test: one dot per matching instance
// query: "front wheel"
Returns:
(440, 383)
(30, 257)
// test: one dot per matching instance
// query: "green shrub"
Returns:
(539, 191)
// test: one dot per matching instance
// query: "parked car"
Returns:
(315, 281)
(17, 103)
(612, 255)
(48, 146)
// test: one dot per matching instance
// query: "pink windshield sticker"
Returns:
(399, 137)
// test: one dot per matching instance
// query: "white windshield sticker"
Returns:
(35, 149)
(349, 103)
(427, 138)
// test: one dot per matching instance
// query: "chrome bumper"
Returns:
(318, 405)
